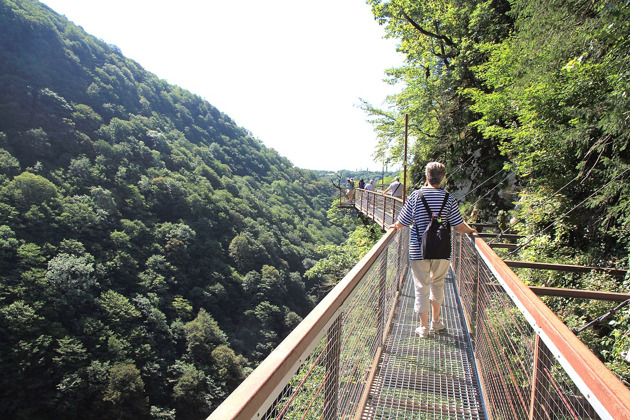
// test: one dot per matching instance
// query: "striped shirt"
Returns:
(415, 215)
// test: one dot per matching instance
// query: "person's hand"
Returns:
(396, 226)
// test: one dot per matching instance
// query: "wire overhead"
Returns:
(567, 213)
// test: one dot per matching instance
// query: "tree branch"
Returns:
(423, 31)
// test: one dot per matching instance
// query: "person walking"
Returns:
(429, 274)
(395, 188)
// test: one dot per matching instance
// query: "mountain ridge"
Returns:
(151, 250)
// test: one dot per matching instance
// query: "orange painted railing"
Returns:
(530, 364)
(379, 207)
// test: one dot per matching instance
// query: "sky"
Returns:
(292, 72)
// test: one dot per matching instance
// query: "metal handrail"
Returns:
(543, 370)
(270, 388)
(380, 207)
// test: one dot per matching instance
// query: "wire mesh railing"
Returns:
(530, 364)
(381, 208)
(323, 369)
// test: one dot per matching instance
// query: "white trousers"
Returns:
(428, 279)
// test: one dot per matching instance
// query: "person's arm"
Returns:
(465, 228)
(396, 226)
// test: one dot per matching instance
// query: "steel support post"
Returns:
(540, 397)
(400, 262)
(331, 382)
(475, 306)
(382, 289)
(384, 210)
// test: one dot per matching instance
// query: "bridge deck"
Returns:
(426, 378)
(532, 365)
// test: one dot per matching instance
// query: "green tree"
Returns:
(229, 366)
(118, 309)
(9, 165)
(193, 392)
(120, 197)
(28, 189)
(8, 242)
(337, 260)
(72, 278)
(125, 393)
(246, 252)
(443, 41)
(202, 336)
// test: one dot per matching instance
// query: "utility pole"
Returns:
(383, 176)
(405, 161)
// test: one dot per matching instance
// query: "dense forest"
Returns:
(151, 251)
(527, 103)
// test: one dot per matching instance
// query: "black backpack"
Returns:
(436, 240)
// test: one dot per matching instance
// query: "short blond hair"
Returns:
(435, 173)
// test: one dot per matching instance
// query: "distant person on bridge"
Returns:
(429, 274)
(395, 188)
(361, 183)
(350, 191)
(370, 186)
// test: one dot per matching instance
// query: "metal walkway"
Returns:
(426, 378)
(355, 356)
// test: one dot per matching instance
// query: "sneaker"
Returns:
(423, 332)
(437, 325)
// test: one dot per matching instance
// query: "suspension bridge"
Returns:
(504, 353)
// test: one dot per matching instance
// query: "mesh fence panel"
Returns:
(521, 378)
(331, 380)
(379, 207)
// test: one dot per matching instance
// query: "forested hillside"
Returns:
(527, 103)
(151, 251)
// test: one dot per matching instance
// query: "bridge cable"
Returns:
(566, 213)
(460, 167)
(517, 221)
(602, 317)
(492, 189)
(520, 220)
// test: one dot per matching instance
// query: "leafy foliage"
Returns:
(535, 92)
(152, 252)
(443, 42)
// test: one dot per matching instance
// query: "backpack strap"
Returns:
(443, 205)
(426, 205)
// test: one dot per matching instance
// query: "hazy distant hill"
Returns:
(148, 245)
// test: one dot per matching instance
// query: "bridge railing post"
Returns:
(382, 292)
(384, 210)
(459, 257)
(540, 396)
(475, 304)
(401, 257)
(331, 381)
(373, 206)
(393, 210)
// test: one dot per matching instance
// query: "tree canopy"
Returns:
(152, 252)
(526, 103)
